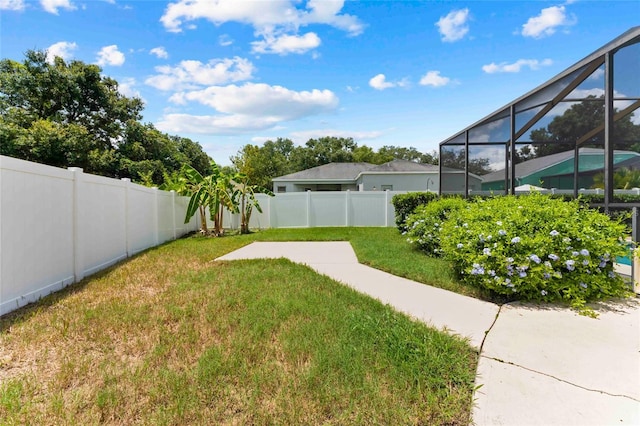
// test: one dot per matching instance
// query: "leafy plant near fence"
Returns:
(423, 226)
(405, 204)
(532, 248)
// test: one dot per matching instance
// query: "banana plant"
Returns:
(213, 192)
(246, 199)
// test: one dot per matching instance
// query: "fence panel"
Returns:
(36, 245)
(100, 218)
(290, 210)
(57, 226)
(328, 209)
(369, 208)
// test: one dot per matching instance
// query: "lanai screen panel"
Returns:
(567, 127)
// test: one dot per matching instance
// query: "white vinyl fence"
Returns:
(315, 209)
(58, 226)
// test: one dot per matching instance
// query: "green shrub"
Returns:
(405, 204)
(536, 248)
(424, 225)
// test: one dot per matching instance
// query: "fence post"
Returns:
(308, 209)
(78, 258)
(127, 239)
(173, 213)
(386, 208)
(156, 220)
(346, 207)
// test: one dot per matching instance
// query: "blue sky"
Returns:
(229, 72)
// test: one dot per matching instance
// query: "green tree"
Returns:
(67, 114)
(390, 152)
(325, 150)
(261, 164)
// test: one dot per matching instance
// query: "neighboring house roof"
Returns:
(399, 166)
(331, 171)
(530, 167)
(352, 171)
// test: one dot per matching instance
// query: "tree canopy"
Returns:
(68, 114)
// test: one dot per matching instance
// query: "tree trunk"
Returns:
(203, 221)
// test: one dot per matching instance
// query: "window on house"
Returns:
(282, 189)
(386, 187)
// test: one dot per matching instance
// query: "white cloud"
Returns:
(434, 79)
(546, 22)
(110, 55)
(379, 82)
(159, 52)
(225, 40)
(247, 108)
(12, 5)
(285, 44)
(305, 135)
(597, 74)
(517, 66)
(192, 74)
(261, 14)
(52, 6)
(454, 26)
(63, 49)
(127, 87)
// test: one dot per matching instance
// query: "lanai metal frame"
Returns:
(543, 99)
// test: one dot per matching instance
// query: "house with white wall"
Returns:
(396, 175)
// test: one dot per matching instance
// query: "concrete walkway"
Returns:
(538, 365)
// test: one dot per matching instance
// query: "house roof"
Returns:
(331, 171)
(400, 166)
(532, 166)
(351, 171)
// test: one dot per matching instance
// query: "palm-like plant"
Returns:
(213, 192)
(246, 199)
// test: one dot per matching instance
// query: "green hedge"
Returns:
(405, 204)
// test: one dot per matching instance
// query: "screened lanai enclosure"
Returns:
(577, 133)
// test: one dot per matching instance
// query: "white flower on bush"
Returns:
(460, 245)
(543, 292)
(486, 251)
(584, 252)
(554, 233)
(515, 240)
(570, 264)
(477, 269)
(499, 223)
(535, 258)
(553, 257)
(502, 232)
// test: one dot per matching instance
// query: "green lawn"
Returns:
(171, 337)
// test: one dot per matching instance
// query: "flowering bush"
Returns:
(424, 225)
(535, 248)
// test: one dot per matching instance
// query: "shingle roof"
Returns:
(404, 166)
(529, 167)
(335, 171)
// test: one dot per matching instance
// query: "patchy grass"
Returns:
(171, 337)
